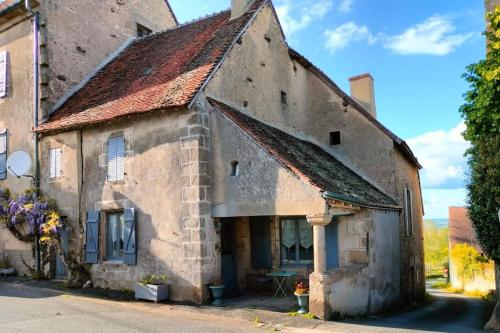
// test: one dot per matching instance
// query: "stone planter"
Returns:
(7, 271)
(217, 293)
(150, 292)
(303, 300)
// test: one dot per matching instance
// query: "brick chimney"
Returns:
(363, 91)
(239, 7)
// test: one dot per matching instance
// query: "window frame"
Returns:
(106, 233)
(408, 198)
(297, 238)
(119, 178)
(140, 29)
(56, 175)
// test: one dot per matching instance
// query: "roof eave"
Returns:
(336, 196)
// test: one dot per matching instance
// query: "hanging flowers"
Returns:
(30, 214)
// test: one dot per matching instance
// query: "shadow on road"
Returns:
(446, 312)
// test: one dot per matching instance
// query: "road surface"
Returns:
(27, 309)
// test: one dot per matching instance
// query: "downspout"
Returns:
(36, 86)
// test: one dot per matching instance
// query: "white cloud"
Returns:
(341, 36)
(441, 153)
(292, 23)
(437, 201)
(345, 6)
(434, 36)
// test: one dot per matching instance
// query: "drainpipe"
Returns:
(36, 87)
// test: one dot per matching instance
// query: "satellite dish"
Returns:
(19, 163)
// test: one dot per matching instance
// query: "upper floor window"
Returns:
(3, 73)
(408, 212)
(142, 31)
(3, 153)
(55, 163)
(116, 159)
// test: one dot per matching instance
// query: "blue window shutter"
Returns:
(92, 243)
(332, 244)
(116, 158)
(130, 247)
(3, 154)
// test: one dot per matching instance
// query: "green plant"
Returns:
(154, 279)
(481, 113)
(470, 263)
(301, 287)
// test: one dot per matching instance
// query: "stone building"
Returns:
(461, 231)
(75, 37)
(213, 150)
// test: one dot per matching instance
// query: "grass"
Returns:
(435, 276)
(305, 315)
(441, 285)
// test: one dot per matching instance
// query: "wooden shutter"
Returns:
(332, 244)
(116, 158)
(3, 154)
(260, 242)
(92, 243)
(130, 247)
(3, 74)
(55, 162)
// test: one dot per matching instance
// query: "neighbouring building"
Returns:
(213, 150)
(462, 232)
(75, 36)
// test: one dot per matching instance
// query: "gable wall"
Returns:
(256, 71)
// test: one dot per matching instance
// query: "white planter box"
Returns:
(7, 271)
(151, 292)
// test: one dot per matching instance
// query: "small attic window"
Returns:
(335, 138)
(235, 169)
(284, 98)
(142, 31)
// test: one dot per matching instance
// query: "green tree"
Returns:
(481, 113)
(435, 245)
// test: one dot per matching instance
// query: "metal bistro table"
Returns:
(281, 278)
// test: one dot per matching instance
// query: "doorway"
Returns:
(228, 255)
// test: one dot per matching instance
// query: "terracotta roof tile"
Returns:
(161, 71)
(310, 162)
(460, 228)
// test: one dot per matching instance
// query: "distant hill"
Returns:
(440, 223)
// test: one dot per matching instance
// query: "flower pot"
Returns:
(7, 271)
(150, 292)
(303, 300)
(217, 293)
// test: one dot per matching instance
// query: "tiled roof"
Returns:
(460, 228)
(310, 162)
(161, 71)
(400, 143)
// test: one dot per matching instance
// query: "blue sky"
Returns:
(415, 50)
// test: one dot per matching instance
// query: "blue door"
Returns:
(61, 272)
(228, 256)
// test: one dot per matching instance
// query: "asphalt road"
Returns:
(27, 309)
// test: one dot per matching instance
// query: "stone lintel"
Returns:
(320, 219)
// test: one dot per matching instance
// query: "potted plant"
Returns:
(217, 289)
(5, 268)
(152, 287)
(302, 293)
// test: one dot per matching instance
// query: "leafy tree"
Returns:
(481, 112)
(435, 245)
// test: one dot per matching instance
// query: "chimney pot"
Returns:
(363, 91)
(239, 7)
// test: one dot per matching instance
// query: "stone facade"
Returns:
(75, 37)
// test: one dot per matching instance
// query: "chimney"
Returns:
(362, 90)
(239, 7)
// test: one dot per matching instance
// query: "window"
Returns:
(235, 169)
(55, 163)
(3, 74)
(296, 238)
(335, 138)
(116, 159)
(408, 213)
(3, 154)
(284, 99)
(115, 236)
(142, 31)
